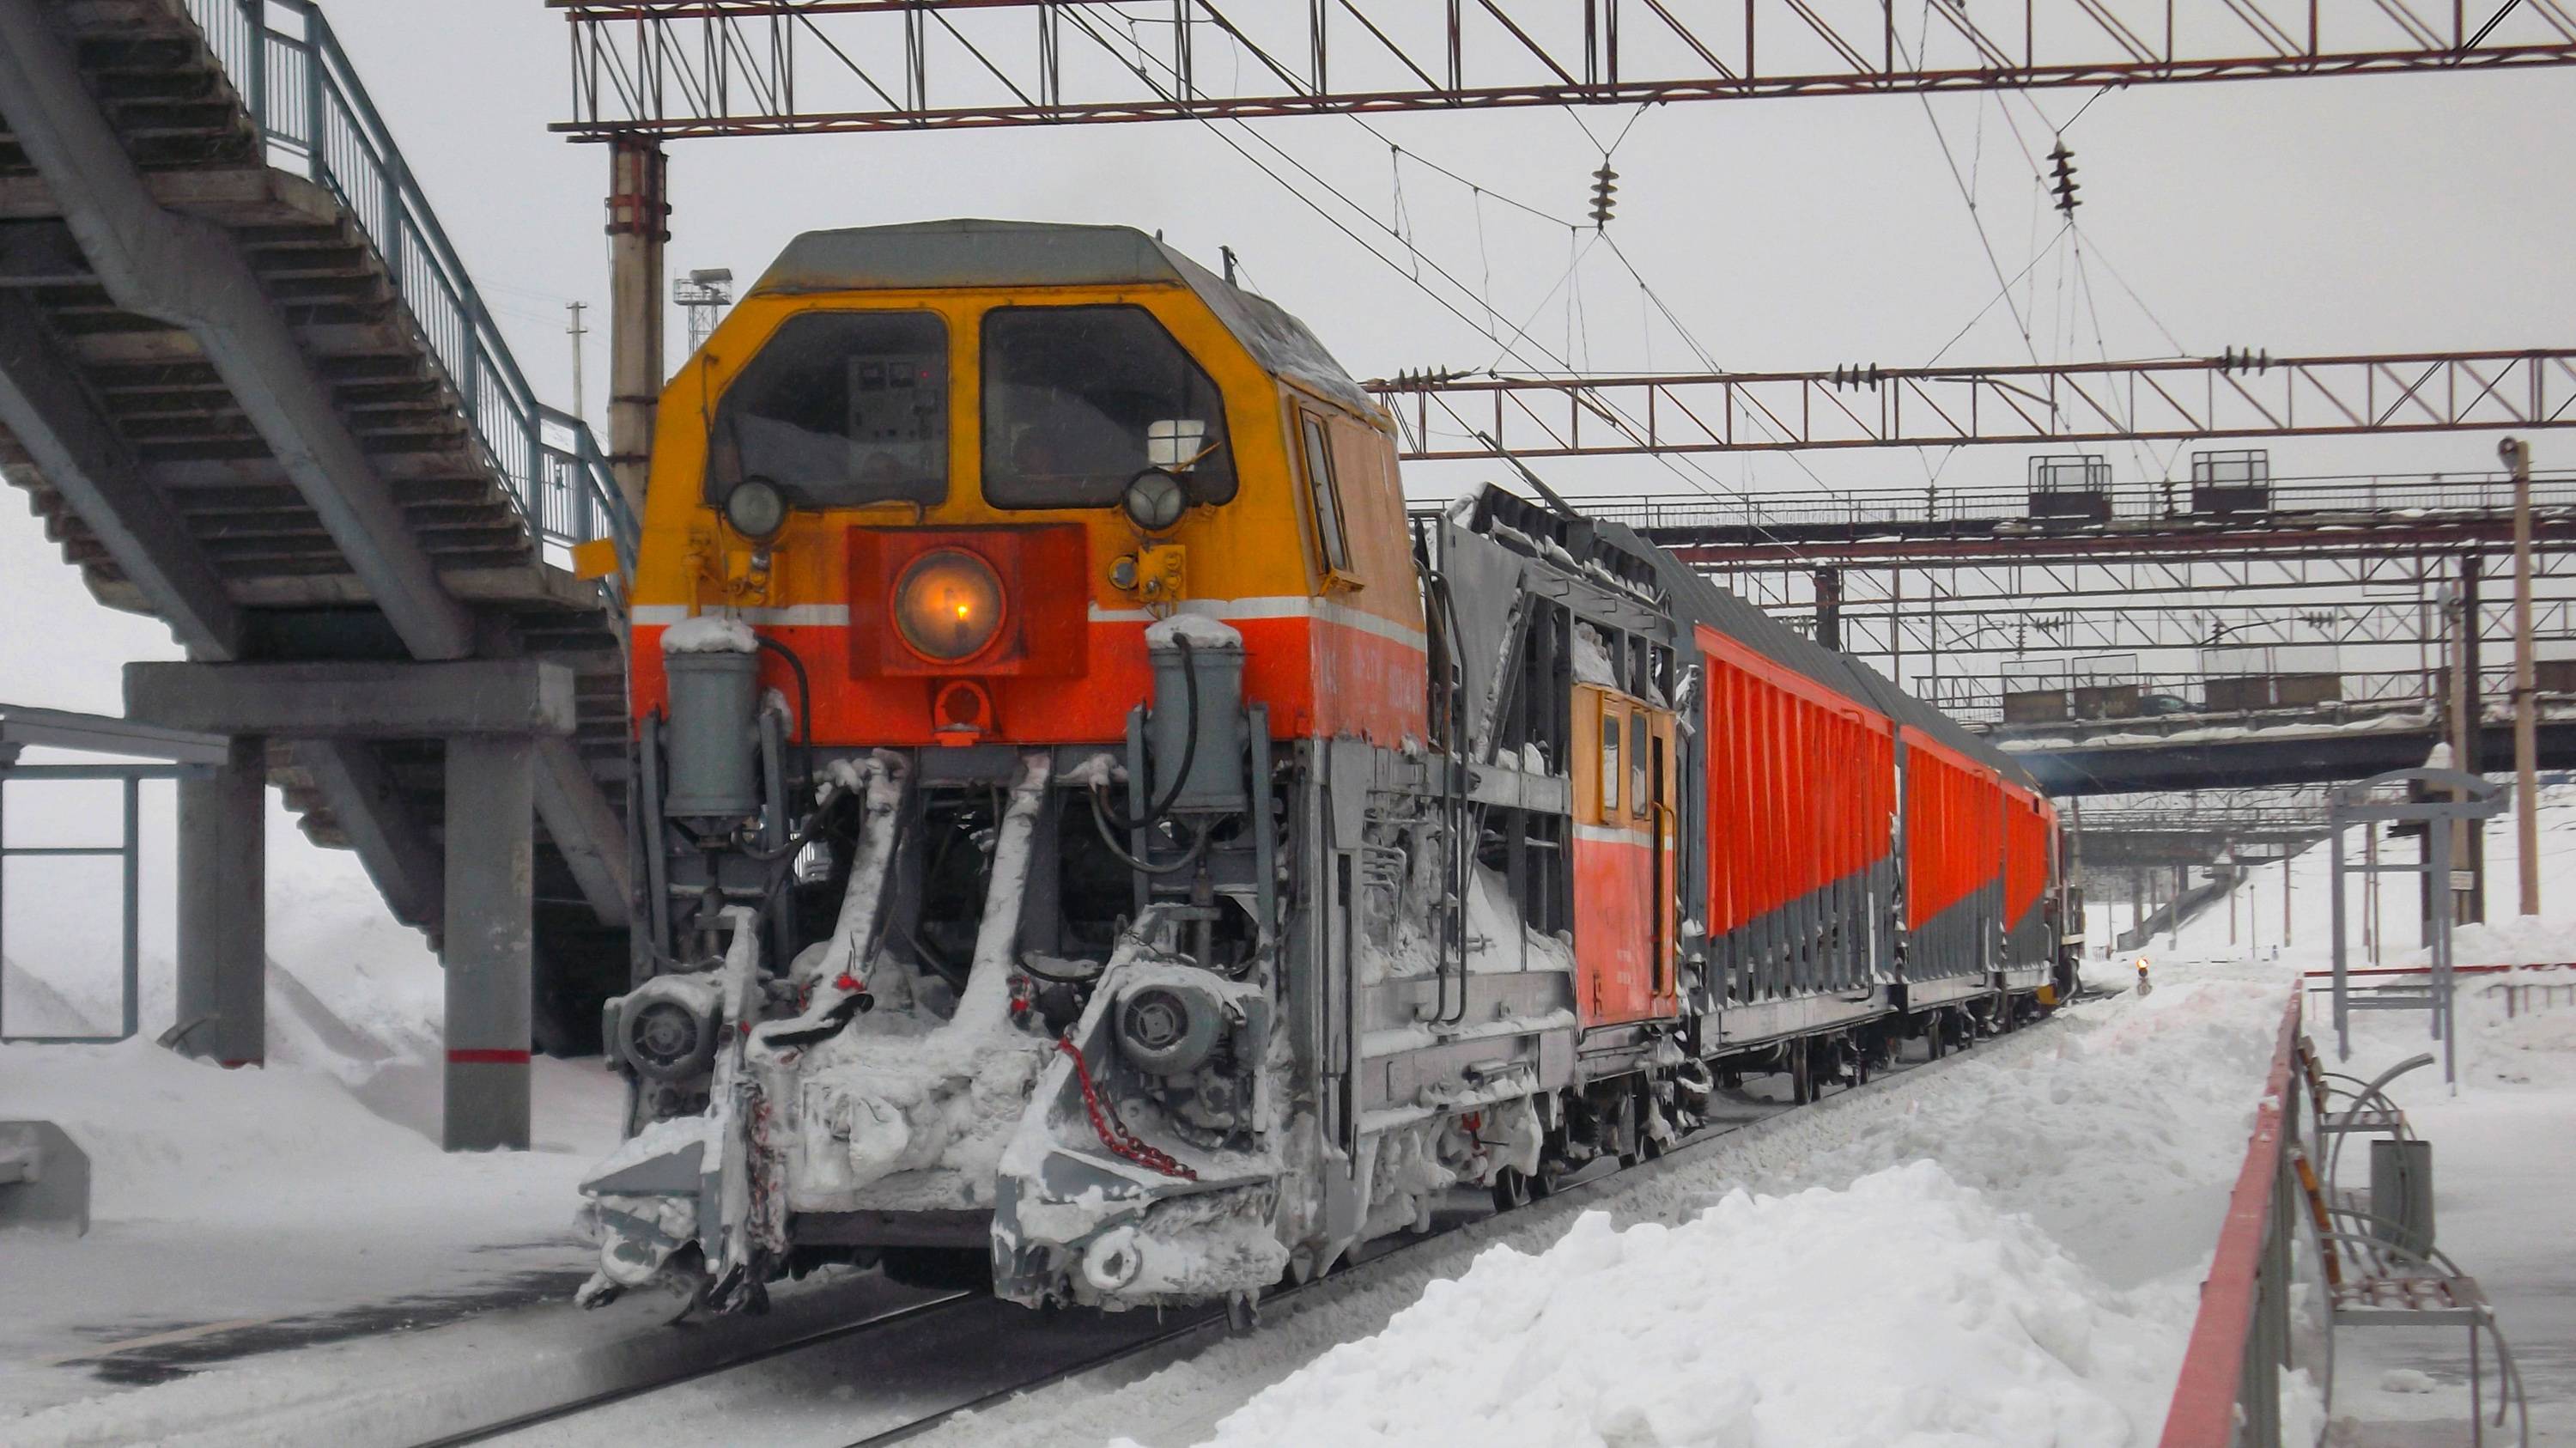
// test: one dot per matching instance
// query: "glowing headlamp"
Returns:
(948, 605)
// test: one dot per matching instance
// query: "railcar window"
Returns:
(1637, 764)
(1609, 762)
(1326, 490)
(1079, 400)
(839, 409)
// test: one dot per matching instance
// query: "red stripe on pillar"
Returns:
(487, 1058)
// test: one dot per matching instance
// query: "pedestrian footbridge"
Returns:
(252, 391)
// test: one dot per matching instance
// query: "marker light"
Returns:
(756, 509)
(948, 605)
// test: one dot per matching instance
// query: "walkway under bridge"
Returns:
(250, 388)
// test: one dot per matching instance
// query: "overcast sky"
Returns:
(2371, 214)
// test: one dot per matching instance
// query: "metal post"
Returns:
(130, 1021)
(1829, 607)
(223, 909)
(314, 123)
(2468, 692)
(489, 939)
(254, 14)
(2526, 745)
(639, 215)
(2342, 1007)
(2370, 926)
(2286, 857)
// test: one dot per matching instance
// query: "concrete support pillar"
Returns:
(223, 909)
(489, 939)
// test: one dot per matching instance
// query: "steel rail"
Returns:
(1202, 1323)
(1215, 1322)
(554, 1413)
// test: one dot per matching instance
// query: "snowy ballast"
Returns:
(709, 634)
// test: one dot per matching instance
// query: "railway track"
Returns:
(965, 1352)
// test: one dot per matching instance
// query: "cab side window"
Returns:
(1325, 489)
(1611, 728)
(1639, 795)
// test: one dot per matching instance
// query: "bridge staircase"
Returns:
(252, 392)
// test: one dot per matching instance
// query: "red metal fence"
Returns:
(2230, 1389)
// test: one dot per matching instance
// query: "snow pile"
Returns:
(2511, 940)
(1592, 658)
(2127, 1130)
(1906, 1305)
(709, 634)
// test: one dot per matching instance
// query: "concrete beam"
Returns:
(586, 831)
(490, 941)
(192, 274)
(355, 700)
(81, 456)
(100, 734)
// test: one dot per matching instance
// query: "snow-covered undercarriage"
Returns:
(1161, 1022)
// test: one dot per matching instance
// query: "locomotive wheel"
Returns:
(1802, 1083)
(1542, 1183)
(1511, 1189)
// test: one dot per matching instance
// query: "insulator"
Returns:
(2063, 160)
(1605, 187)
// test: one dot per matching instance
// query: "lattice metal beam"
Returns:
(1461, 418)
(747, 67)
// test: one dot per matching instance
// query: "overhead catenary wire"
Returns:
(1137, 65)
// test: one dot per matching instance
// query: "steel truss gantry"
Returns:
(677, 68)
(1449, 417)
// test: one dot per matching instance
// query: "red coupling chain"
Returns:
(1114, 1133)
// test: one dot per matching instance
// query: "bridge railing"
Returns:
(313, 113)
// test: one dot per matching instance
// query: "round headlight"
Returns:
(948, 605)
(756, 509)
(1155, 500)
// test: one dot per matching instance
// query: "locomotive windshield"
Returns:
(1078, 400)
(840, 409)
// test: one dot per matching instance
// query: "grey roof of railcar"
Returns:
(1698, 600)
(972, 253)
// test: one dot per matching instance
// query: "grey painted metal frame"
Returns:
(2470, 798)
(188, 756)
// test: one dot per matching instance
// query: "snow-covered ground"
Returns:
(227, 1204)
(2007, 1251)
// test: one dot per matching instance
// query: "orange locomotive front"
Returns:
(1093, 839)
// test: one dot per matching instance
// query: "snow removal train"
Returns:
(1097, 840)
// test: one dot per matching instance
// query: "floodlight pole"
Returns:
(2526, 747)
